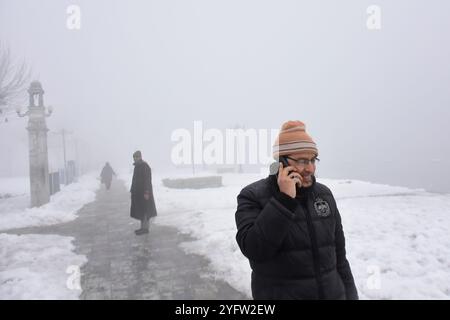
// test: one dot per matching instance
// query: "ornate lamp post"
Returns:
(37, 137)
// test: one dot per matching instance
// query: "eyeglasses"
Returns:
(304, 162)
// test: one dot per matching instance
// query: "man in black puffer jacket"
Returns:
(290, 229)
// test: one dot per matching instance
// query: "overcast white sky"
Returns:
(376, 102)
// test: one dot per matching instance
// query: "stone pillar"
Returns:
(38, 153)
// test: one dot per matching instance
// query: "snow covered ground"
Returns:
(40, 266)
(14, 211)
(398, 239)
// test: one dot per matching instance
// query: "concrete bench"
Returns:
(194, 183)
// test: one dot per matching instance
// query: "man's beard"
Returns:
(307, 180)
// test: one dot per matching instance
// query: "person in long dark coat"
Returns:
(106, 175)
(142, 201)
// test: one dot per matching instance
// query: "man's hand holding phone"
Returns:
(288, 179)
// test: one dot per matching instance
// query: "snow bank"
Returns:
(403, 241)
(14, 211)
(41, 266)
(38, 267)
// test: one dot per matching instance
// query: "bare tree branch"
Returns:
(13, 80)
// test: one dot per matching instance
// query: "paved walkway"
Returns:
(122, 265)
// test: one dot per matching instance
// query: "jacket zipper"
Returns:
(315, 250)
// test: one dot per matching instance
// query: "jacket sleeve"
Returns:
(133, 182)
(260, 231)
(148, 181)
(343, 266)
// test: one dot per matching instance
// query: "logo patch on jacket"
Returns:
(322, 208)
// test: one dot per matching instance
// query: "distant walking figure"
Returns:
(106, 175)
(142, 201)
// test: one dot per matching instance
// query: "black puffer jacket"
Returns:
(296, 247)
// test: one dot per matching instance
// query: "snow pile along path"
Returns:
(39, 267)
(14, 211)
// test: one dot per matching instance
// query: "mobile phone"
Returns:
(275, 167)
(284, 161)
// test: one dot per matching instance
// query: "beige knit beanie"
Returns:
(292, 139)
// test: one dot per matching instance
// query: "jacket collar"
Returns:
(272, 180)
(136, 163)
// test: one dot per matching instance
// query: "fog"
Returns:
(375, 101)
